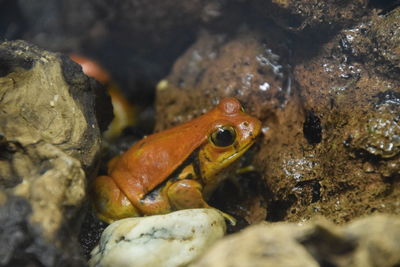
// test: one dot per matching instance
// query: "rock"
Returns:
(385, 40)
(349, 163)
(49, 142)
(330, 114)
(370, 241)
(322, 17)
(22, 243)
(163, 30)
(378, 240)
(259, 246)
(244, 65)
(174, 239)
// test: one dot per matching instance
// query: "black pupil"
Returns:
(224, 137)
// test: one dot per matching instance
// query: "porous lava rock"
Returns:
(350, 163)
(312, 16)
(329, 111)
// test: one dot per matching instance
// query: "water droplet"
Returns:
(264, 87)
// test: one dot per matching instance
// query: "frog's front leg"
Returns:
(109, 202)
(187, 194)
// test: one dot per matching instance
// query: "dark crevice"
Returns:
(312, 128)
(385, 5)
(326, 247)
(316, 192)
(388, 97)
(278, 209)
(367, 156)
(9, 63)
(314, 186)
(90, 233)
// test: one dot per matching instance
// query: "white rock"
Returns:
(174, 239)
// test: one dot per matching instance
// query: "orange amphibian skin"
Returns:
(177, 168)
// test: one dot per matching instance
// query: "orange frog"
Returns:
(177, 168)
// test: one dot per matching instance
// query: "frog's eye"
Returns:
(223, 136)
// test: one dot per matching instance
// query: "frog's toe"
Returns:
(228, 217)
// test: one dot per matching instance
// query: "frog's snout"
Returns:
(250, 128)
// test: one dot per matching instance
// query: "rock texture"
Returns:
(49, 138)
(329, 110)
(174, 239)
(350, 163)
(312, 15)
(364, 242)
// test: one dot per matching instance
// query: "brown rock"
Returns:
(245, 65)
(351, 108)
(323, 15)
(331, 130)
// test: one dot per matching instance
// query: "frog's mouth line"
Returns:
(210, 184)
(240, 152)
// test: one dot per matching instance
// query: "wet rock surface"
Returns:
(353, 168)
(328, 110)
(49, 142)
(246, 65)
(174, 239)
(364, 242)
(312, 15)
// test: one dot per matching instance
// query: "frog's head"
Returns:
(232, 132)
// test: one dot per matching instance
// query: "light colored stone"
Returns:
(49, 146)
(367, 242)
(174, 239)
(378, 240)
(49, 131)
(261, 245)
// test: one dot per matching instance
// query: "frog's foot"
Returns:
(110, 204)
(228, 217)
(187, 194)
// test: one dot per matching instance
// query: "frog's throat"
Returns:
(214, 178)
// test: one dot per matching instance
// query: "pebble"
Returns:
(174, 239)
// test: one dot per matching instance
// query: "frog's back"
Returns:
(153, 159)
